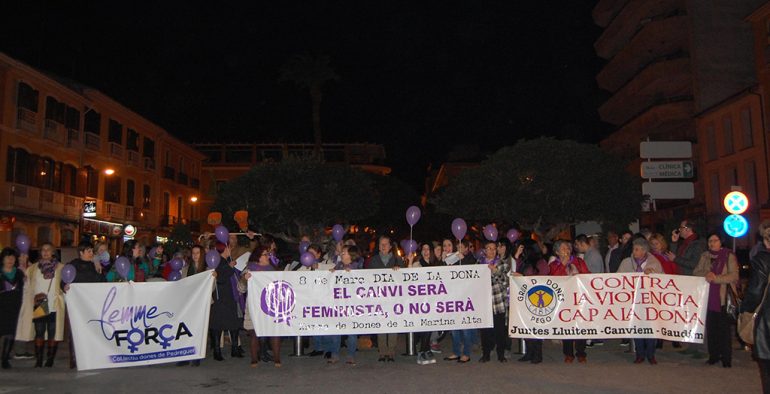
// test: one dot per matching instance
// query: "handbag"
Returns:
(746, 320)
(40, 308)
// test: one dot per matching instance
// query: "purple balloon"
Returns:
(307, 259)
(176, 264)
(68, 273)
(212, 259)
(22, 243)
(490, 232)
(403, 244)
(303, 246)
(174, 276)
(459, 228)
(512, 235)
(412, 215)
(122, 266)
(338, 232)
(222, 234)
(411, 246)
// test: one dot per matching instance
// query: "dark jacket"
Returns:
(224, 310)
(618, 254)
(11, 292)
(85, 272)
(760, 268)
(688, 258)
(376, 262)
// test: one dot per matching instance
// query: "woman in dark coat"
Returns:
(11, 289)
(755, 295)
(225, 314)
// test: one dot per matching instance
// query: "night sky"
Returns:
(418, 77)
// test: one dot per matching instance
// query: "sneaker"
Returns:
(23, 356)
(589, 344)
(430, 358)
(435, 348)
(597, 343)
(421, 360)
(625, 342)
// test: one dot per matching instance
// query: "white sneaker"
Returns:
(429, 358)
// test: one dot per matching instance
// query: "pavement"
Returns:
(608, 370)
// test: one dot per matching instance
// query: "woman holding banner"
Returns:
(385, 258)
(530, 262)
(565, 264)
(348, 258)
(11, 291)
(496, 336)
(642, 261)
(259, 261)
(224, 309)
(42, 310)
(720, 268)
(462, 340)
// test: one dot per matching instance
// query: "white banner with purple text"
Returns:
(127, 324)
(370, 301)
(603, 306)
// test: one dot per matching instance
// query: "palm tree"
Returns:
(310, 72)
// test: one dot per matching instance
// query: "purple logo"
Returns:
(278, 301)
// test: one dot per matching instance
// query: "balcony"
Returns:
(149, 163)
(26, 120)
(54, 131)
(93, 141)
(44, 202)
(116, 150)
(133, 158)
(656, 40)
(195, 183)
(630, 20)
(169, 173)
(167, 221)
(114, 211)
(182, 179)
(73, 138)
(130, 214)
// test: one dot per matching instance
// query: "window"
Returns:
(92, 182)
(711, 142)
(116, 132)
(132, 140)
(213, 155)
(54, 110)
(146, 196)
(732, 176)
(751, 180)
(72, 119)
(238, 155)
(748, 133)
(112, 189)
(181, 164)
(70, 179)
(149, 148)
(716, 196)
(27, 97)
(727, 130)
(166, 203)
(179, 207)
(130, 186)
(92, 122)
(43, 235)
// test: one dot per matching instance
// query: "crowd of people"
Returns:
(33, 309)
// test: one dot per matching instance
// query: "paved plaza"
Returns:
(609, 370)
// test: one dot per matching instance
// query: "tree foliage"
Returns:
(542, 184)
(180, 238)
(297, 197)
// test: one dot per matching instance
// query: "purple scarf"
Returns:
(483, 260)
(237, 296)
(639, 262)
(718, 261)
(48, 268)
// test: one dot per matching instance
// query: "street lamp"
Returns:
(109, 171)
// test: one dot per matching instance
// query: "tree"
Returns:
(310, 72)
(180, 238)
(297, 197)
(543, 185)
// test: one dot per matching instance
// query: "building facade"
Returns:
(667, 62)
(70, 148)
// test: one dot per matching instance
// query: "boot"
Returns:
(6, 355)
(235, 350)
(217, 349)
(52, 345)
(39, 347)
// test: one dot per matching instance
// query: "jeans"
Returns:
(464, 338)
(321, 342)
(335, 342)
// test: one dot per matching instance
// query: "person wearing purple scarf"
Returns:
(719, 267)
(642, 261)
(348, 261)
(259, 261)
